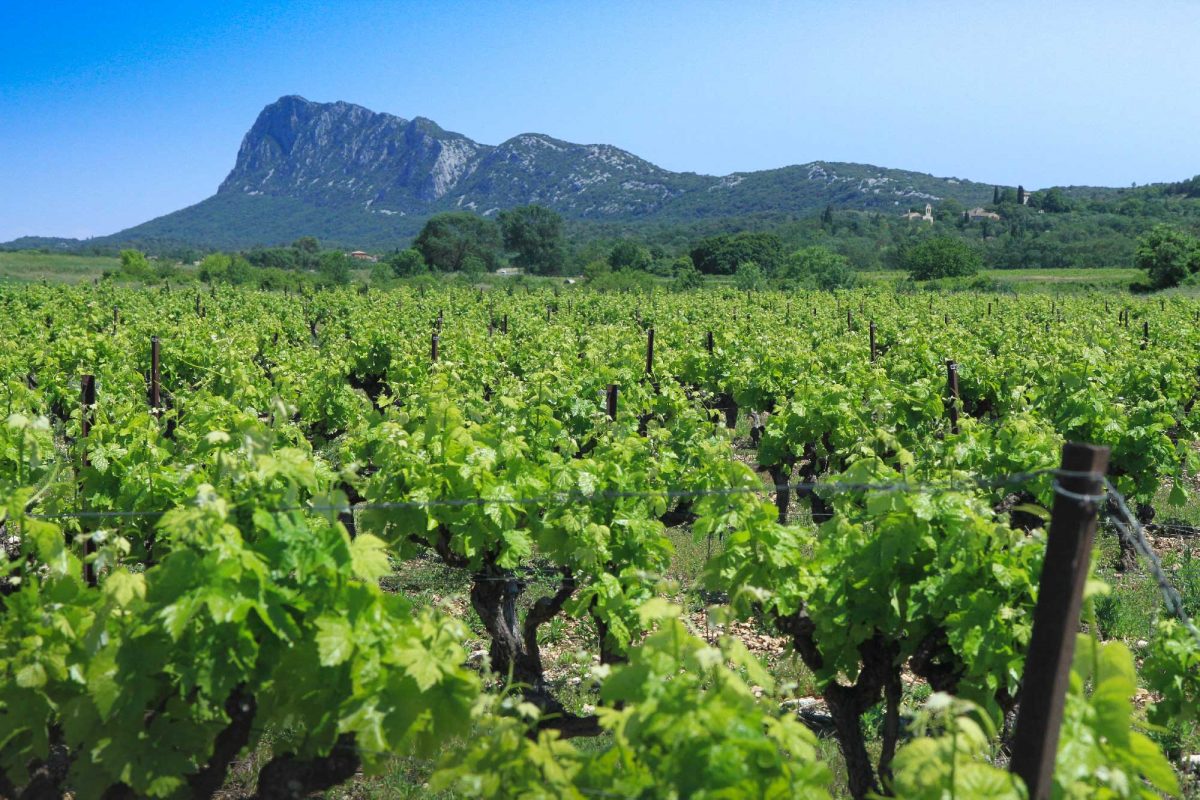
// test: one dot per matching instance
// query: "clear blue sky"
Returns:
(112, 113)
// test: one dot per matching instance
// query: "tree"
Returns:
(628, 254)
(307, 244)
(1168, 255)
(447, 239)
(686, 275)
(995, 195)
(1052, 201)
(1020, 195)
(214, 268)
(721, 255)
(134, 264)
(335, 268)
(818, 268)
(595, 269)
(473, 266)
(748, 277)
(827, 217)
(533, 234)
(939, 257)
(240, 271)
(407, 263)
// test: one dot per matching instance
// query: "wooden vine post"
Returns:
(87, 403)
(649, 351)
(433, 348)
(952, 387)
(611, 401)
(871, 328)
(155, 378)
(1056, 616)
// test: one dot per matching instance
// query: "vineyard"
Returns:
(213, 506)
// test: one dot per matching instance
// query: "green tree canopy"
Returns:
(628, 254)
(407, 263)
(939, 257)
(748, 277)
(307, 244)
(1168, 255)
(818, 268)
(686, 275)
(721, 255)
(533, 234)
(335, 267)
(135, 265)
(448, 239)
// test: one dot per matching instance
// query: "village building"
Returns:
(927, 216)
(980, 213)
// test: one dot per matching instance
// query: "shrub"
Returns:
(940, 257)
(1168, 255)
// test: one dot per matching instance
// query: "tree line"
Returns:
(1053, 228)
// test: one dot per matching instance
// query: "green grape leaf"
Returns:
(369, 557)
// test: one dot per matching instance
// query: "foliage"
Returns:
(1172, 670)
(1101, 752)
(817, 268)
(748, 277)
(683, 724)
(407, 263)
(686, 276)
(335, 268)
(533, 234)
(135, 265)
(243, 568)
(1167, 255)
(628, 254)
(722, 255)
(448, 239)
(939, 257)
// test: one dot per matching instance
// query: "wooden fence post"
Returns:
(155, 378)
(1056, 617)
(952, 387)
(649, 351)
(87, 403)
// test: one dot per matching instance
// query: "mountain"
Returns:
(354, 177)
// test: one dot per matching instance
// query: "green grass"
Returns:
(1025, 280)
(33, 267)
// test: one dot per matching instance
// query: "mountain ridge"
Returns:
(356, 177)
